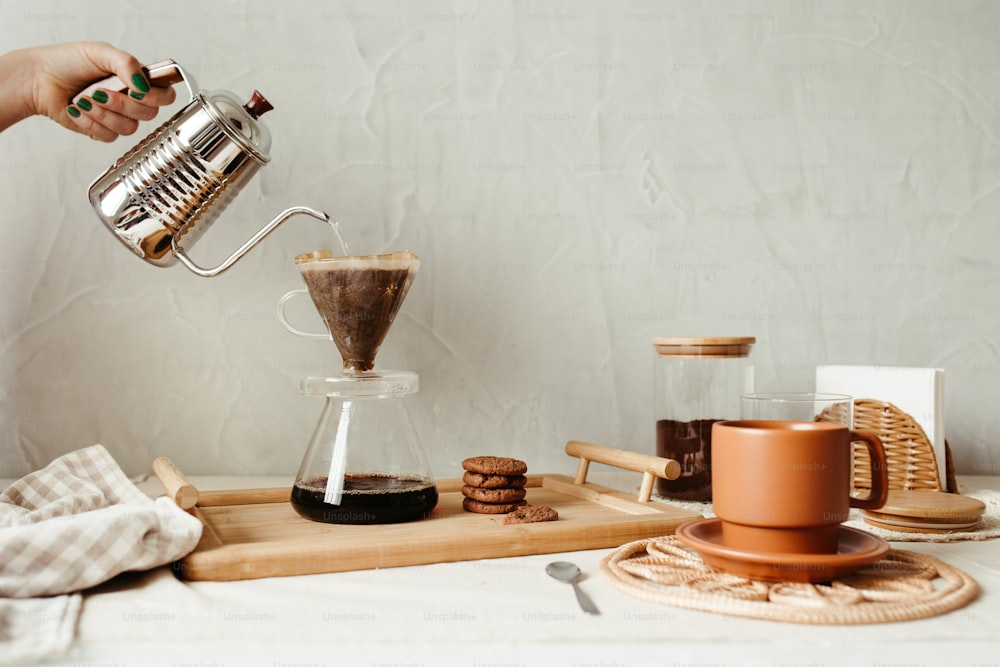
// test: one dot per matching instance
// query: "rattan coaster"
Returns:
(903, 586)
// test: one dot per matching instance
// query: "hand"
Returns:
(53, 81)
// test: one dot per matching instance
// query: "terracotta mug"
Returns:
(785, 486)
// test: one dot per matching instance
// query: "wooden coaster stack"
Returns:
(926, 511)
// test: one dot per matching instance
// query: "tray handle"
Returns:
(175, 484)
(651, 467)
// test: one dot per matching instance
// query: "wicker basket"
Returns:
(908, 451)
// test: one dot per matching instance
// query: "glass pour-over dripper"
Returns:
(358, 298)
(364, 463)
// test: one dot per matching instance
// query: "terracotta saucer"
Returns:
(856, 549)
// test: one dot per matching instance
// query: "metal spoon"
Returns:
(569, 573)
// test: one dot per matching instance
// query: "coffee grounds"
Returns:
(358, 305)
(690, 444)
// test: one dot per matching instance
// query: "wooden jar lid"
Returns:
(717, 347)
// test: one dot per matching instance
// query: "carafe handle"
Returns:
(162, 74)
(250, 243)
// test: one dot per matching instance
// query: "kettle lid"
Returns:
(240, 121)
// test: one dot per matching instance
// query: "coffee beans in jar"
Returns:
(698, 381)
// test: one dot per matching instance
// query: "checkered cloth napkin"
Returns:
(74, 524)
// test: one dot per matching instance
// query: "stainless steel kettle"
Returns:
(175, 182)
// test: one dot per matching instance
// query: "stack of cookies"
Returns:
(496, 485)
(493, 484)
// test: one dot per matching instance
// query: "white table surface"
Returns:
(494, 613)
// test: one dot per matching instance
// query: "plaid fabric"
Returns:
(80, 521)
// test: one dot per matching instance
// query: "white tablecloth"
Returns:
(501, 612)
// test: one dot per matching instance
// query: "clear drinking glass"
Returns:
(799, 407)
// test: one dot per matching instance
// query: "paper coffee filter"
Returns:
(358, 297)
(393, 260)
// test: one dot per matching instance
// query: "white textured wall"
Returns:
(578, 177)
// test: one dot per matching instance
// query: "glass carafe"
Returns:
(364, 464)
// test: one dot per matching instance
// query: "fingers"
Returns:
(102, 122)
(107, 114)
(114, 106)
(120, 63)
(83, 123)
(127, 105)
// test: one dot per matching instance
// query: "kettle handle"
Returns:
(250, 243)
(163, 73)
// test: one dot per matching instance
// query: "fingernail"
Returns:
(100, 96)
(139, 81)
(73, 111)
(84, 104)
(136, 95)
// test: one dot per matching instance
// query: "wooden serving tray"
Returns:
(254, 533)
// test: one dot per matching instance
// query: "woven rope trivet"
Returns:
(903, 586)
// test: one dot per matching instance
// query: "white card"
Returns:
(918, 392)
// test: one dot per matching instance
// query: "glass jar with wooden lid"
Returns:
(698, 381)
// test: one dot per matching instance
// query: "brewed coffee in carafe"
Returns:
(364, 463)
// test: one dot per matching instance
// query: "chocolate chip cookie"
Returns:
(470, 505)
(493, 495)
(531, 514)
(495, 465)
(481, 481)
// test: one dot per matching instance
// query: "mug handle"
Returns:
(284, 320)
(880, 472)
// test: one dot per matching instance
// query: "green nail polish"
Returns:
(73, 111)
(136, 95)
(84, 104)
(139, 81)
(100, 96)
